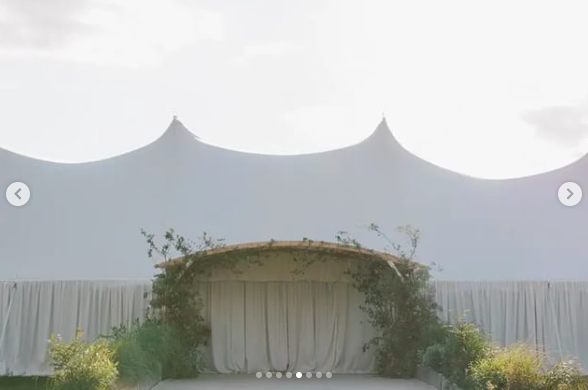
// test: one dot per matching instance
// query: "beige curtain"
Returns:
(286, 326)
(30, 311)
(292, 323)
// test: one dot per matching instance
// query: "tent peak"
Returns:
(177, 130)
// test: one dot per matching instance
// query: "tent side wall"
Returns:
(554, 315)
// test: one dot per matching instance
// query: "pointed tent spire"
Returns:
(383, 128)
(383, 135)
(177, 130)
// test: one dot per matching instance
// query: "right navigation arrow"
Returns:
(571, 194)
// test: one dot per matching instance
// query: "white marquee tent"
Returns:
(80, 231)
(83, 220)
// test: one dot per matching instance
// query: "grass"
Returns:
(23, 383)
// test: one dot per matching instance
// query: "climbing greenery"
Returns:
(399, 304)
(176, 300)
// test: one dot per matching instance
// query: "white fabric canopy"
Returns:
(298, 325)
(180, 182)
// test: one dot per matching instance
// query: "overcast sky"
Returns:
(492, 89)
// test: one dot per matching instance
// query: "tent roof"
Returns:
(473, 228)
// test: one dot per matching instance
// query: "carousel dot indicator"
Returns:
(298, 375)
(259, 375)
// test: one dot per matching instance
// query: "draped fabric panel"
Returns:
(31, 311)
(552, 315)
(286, 326)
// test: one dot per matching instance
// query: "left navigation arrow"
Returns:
(18, 194)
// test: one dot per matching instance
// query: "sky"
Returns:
(490, 89)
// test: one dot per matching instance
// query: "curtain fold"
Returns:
(42, 308)
(286, 326)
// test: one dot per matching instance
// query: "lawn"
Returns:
(22, 383)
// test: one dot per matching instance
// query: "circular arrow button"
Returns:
(18, 194)
(569, 194)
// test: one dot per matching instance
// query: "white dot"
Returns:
(328, 375)
(319, 375)
(288, 375)
(259, 375)
(268, 375)
(309, 375)
(278, 375)
(298, 375)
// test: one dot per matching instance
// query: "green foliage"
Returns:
(81, 366)
(176, 299)
(514, 368)
(179, 307)
(435, 357)
(521, 367)
(23, 383)
(399, 304)
(142, 350)
(565, 376)
(462, 345)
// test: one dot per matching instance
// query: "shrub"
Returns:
(522, 367)
(140, 350)
(463, 345)
(81, 366)
(565, 376)
(144, 351)
(517, 367)
(434, 357)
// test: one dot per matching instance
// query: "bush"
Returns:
(514, 368)
(565, 376)
(79, 366)
(145, 351)
(521, 367)
(463, 345)
(434, 357)
(140, 350)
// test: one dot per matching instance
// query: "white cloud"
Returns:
(123, 33)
